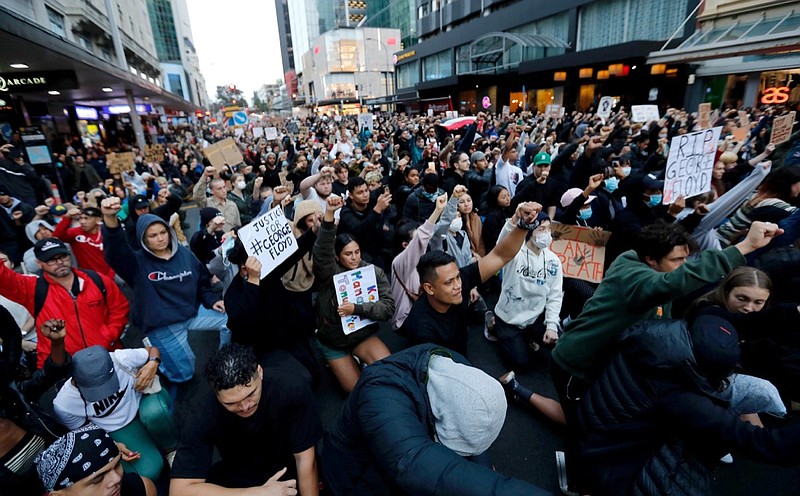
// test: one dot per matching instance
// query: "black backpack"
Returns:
(42, 287)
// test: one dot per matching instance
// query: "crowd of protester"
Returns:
(663, 369)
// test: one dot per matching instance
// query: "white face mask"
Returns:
(542, 240)
(456, 224)
(241, 184)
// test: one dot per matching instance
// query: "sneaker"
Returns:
(727, 459)
(514, 389)
(563, 483)
(488, 327)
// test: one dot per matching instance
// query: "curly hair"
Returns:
(233, 365)
(656, 240)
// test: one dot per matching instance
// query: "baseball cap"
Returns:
(45, 249)
(140, 201)
(93, 372)
(207, 214)
(572, 193)
(541, 158)
(477, 157)
(58, 210)
(716, 346)
(649, 181)
(91, 212)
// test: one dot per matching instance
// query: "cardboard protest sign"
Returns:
(118, 162)
(644, 113)
(224, 152)
(271, 133)
(356, 286)
(365, 120)
(269, 238)
(782, 128)
(689, 165)
(704, 116)
(153, 153)
(258, 132)
(744, 120)
(581, 250)
(605, 106)
(739, 134)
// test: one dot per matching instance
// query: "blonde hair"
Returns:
(728, 158)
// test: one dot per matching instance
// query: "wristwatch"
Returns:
(154, 359)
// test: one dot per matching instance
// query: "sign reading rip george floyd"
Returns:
(30, 81)
(270, 239)
(356, 286)
(582, 251)
(689, 165)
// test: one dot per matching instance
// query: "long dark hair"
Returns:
(343, 240)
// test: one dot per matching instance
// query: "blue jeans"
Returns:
(177, 357)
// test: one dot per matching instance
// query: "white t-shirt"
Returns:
(508, 176)
(112, 413)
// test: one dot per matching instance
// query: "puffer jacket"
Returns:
(92, 319)
(383, 441)
(652, 425)
(326, 266)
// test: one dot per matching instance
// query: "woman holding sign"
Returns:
(364, 294)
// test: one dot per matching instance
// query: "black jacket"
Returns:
(383, 441)
(366, 226)
(651, 424)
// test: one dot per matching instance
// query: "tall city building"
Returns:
(172, 34)
(285, 35)
(528, 54)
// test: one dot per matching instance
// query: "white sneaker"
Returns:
(727, 459)
(488, 326)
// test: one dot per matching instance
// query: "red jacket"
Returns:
(90, 321)
(88, 248)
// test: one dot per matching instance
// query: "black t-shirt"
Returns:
(132, 485)
(425, 325)
(252, 449)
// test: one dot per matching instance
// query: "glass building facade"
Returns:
(164, 33)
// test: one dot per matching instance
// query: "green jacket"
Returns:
(632, 291)
(330, 332)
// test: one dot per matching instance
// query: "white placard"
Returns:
(554, 110)
(258, 132)
(430, 112)
(271, 133)
(269, 238)
(238, 131)
(365, 120)
(356, 286)
(605, 106)
(644, 113)
(690, 163)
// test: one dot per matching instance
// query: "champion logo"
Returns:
(163, 276)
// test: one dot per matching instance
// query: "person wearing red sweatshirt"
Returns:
(86, 240)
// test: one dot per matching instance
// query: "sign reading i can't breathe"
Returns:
(690, 163)
(270, 239)
(356, 286)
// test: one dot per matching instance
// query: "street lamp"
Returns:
(386, 48)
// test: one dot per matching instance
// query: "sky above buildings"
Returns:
(237, 42)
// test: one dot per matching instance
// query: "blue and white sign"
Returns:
(240, 118)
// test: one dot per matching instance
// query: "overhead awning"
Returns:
(408, 96)
(500, 50)
(85, 75)
(761, 36)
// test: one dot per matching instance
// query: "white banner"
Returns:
(644, 113)
(605, 106)
(690, 163)
(269, 238)
(356, 286)
(271, 133)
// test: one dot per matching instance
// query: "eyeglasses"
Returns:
(58, 259)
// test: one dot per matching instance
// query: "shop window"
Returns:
(516, 101)
(544, 97)
(56, 22)
(586, 96)
(437, 66)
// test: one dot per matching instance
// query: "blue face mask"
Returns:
(626, 171)
(612, 183)
(585, 214)
(430, 196)
(655, 200)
